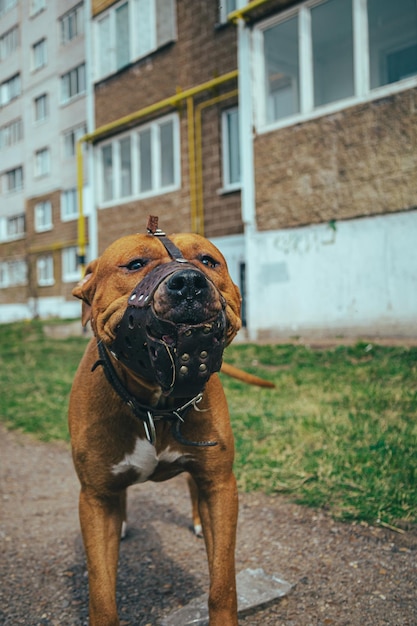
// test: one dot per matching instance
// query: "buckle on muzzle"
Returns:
(178, 357)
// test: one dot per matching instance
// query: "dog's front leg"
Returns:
(219, 510)
(101, 522)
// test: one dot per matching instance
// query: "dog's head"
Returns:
(155, 314)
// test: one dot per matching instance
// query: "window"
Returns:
(42, 162)
(41, 108)
(10, 89)
(70, 140)
(9, 42)
(13, 227)
(226, 7)
(70, 267)
(14, 179)
(36, 6)
(69, 205)
(331, 53)
(392, 41)
(73, 83)
(13, 273)
(231, 149)
(7, 5)
(43, 216)
(144, 162)
(45, 270)
(130, 30)
(11, 133)
(39, 54)
(72, 24)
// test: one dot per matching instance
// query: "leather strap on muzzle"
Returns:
(178, 357)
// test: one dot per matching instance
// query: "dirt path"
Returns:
(342, 574)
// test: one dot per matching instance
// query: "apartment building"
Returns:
(328, 97)
(285, 131)
(42, 114)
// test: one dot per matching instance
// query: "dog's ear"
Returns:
(85, 290)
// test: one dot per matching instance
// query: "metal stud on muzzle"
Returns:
(180, 357)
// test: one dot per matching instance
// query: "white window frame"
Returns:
(71, 24)
(11, 133)
(41, 106)
(137, 48)
(363, 91)
(10, 89)
(43, 216)
(70, 138)
(13, 273)
(42, 162)
(9, 42)
(13, 227)
(157, 187)
(7, 5)
(69, 199)
(74, 77)
(14, 176)
(45, 270)
(70, 270)
(229, 185)
(39, 54)
(36, 6)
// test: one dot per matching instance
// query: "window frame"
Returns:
(41, 105)
(76, 74)
(156, 164)
(77, 15)
(229, 185)
(43, 216)
(39, 54)
(158, 37)
(361, 55)
(12, 88)
(8, 272)
(9, 42)
(20, 180)
(69, 193)
(45, 275)
(42, 162)
(70, 275)
(11, 133)
(70, 138)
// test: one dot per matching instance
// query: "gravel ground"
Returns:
(342, 574)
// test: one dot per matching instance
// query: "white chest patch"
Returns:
(144, 460)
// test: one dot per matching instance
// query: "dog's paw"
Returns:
(198, 530)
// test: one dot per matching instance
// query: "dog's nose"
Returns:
(187, 284)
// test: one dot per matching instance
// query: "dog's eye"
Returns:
(135, 265)
(208, 261)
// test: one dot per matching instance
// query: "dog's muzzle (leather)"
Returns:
(180, 357)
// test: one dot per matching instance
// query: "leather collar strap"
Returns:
(174, 252)
(147, 414)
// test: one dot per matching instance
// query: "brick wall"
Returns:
(360, 161)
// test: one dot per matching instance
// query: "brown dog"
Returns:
(146, 405)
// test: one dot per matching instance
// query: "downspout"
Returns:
(199, 151)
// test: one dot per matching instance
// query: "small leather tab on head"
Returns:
(152, 226)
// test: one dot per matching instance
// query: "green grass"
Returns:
(339, 431)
